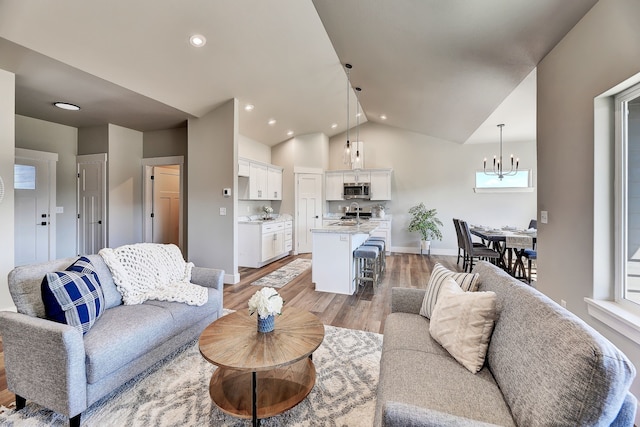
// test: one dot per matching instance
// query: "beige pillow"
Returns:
(467, 281)
(462, 323)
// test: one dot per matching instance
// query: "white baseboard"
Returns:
(231, 279)
(416, 250)
(10, 308)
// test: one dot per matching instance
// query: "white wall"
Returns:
(7, 155)
(442, 175)
(254, 150)
(34, 134)
(125, 186)
(602, 50)
(213, 165)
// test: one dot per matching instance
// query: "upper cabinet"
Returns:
(333, 185)
(265, 181)
(380, 180)
(381, 185)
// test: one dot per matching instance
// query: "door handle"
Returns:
(316, 217)
(44, 223)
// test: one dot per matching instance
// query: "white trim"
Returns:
(615, 316)
(231, 279)
(314, 171)
(36, 155)
(504, 190)
(12, 309)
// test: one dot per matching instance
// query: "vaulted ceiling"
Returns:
(445, 68)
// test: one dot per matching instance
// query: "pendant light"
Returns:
(346, 158)
(357, 142)
(497, 169)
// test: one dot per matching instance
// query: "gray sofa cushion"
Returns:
(124, 333)
(185, 315)
(415, 370)
(552, 368)
(25, 281)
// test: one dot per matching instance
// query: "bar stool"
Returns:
(383, 255)
(380, 245)
(367, 259)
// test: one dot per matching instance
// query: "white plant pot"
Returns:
(425, 245)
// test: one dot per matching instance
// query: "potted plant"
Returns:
(425, 222)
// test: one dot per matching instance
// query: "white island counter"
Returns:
(333, 269)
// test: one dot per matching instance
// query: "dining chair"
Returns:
(462, 252)
(531, 255)
(475, 251)
(518, 244)
(533, 224)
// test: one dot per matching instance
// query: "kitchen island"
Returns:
(333, 268)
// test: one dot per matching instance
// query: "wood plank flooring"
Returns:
(365, 310)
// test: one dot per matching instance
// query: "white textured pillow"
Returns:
(467, 281)
(462, 323)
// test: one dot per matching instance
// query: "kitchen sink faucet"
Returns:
(357, 211)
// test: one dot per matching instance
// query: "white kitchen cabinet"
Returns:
(333, 186)
(243, 167)
(274, 183)
(356, 176)
(288, 236)
(257, 181)
(380, 184)
(260, 243)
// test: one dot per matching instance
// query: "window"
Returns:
(627, 209)
(24, 177)
(520, 181)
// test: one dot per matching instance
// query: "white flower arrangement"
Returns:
(267, 209)
(266, 301)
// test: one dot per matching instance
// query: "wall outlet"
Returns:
(563, 303)
(544, 217)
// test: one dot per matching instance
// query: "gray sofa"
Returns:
(544, 367)
(54, 365)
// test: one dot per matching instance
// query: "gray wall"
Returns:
(165, 143)
(602, 50)
(213, 165)
(34, 134)
(125, 186)
(442, 175)
(7, 156)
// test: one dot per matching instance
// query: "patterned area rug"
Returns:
(175, 392)
(284, 274)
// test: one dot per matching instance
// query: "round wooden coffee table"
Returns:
(261, 374)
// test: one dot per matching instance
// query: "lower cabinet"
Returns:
(260, 243)
(384, 231)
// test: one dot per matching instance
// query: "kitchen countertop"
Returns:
(365, 227)
(257, 220)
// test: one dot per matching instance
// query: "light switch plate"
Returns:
(544, 217)
(223, 211)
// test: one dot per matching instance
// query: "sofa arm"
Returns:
(406, 300)
(405, 415)
(208, 277)
(44, 362)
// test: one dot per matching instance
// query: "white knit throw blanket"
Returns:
(155, 271)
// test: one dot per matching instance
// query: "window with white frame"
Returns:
(627, 209)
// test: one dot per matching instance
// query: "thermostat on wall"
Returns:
(226, 192)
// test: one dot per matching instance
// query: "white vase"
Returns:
(425, 246)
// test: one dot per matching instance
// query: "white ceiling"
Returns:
(435, 67)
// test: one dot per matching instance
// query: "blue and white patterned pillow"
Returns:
(73, 296)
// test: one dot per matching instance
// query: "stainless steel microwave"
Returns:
(361, 190)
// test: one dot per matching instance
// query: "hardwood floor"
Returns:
(365, 310)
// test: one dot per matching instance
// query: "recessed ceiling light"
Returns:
(271, 122)
(334, 125)
(66, 106)
(249, 107)
(383, 117)
(290, 133)
(197, 40)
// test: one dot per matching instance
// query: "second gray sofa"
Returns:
(544, 366)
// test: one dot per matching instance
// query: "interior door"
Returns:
(166, 205)
(32, 211)
(92, 226)
(309, 212)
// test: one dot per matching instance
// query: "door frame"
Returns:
(51, 159)
(147, 196)
(298, 170)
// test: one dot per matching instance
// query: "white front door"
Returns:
(34, 226)
(309, 212)
(166, 205)
(92, 224)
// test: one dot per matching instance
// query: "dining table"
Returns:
(497, 239)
